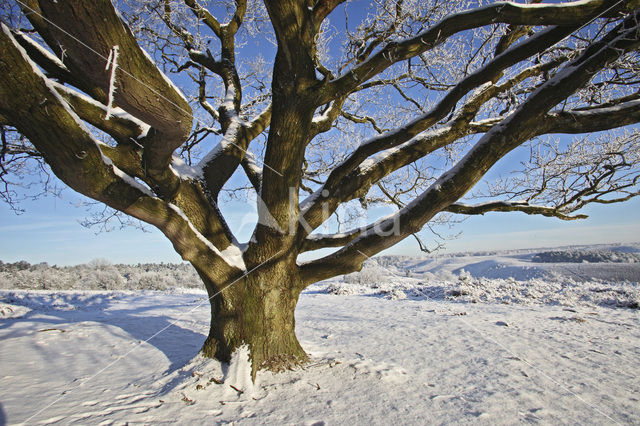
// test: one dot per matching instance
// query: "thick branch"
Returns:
(223, 161)
(320, 241)
(238, 16)
(500, 140)
(32, 104)
(592, 120)
(253, 171)
(205, 16)
(510, 206)
(43, 116)
(140, 88)
(324, 122)
(53, 66)
(230, 28)
(487, 73)
(322, 9)
(123, 127)
(357, 183)
(226, 66)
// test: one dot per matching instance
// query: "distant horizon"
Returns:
(419, 254)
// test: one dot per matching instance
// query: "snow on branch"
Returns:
(232, 255)
(323, 122)
(252, 170)
(593, 119)
(78, 142)
(42, 56)
(222, 161)
(512, 132)
(120, 125)
(564, 14)
(510, 206)
(484, 75)
(319, 241)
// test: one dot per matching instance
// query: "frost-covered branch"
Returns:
(320, 241)
(564, 14)
(501, 139)
(73, 153)
(220, 164)
(510, 206)
(490, 71)
(205, 16)
(398, 148)
(324, 122)
(600, 169)
(122, 126)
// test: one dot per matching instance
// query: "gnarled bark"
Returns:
(257, 310)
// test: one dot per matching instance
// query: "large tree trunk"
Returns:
(258, 311)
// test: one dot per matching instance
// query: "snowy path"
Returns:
(375, 361)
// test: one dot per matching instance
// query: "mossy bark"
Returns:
(258, 311)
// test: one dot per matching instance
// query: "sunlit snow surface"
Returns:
(402, 342)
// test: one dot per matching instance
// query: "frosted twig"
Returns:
(112, 61)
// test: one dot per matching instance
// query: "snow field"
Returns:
(407, 340)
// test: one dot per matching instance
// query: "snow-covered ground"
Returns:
(486, 338)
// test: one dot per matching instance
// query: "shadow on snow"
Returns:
(56, 310)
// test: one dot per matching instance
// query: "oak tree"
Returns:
(315, 105)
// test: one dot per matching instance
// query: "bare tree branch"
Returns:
(122, 126)
(512, 132)
(565, 14)
(320, 241)
(221, 163)
(487, 73)
(205, 16)
(510, 206)
(322, 9)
